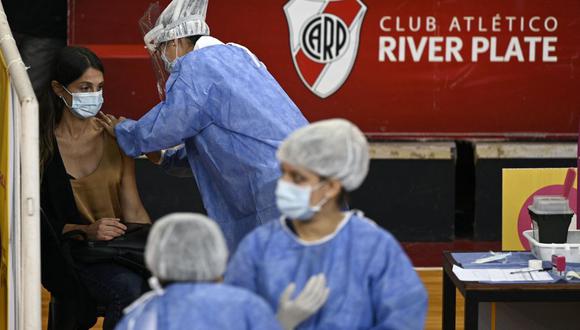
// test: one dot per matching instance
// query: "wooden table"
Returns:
(475, 292)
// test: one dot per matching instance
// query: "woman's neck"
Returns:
(71, 126)
(321, 225)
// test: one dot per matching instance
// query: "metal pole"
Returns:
(29, 301)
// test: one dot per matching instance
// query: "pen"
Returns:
(531, 270)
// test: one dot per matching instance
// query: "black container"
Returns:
(551, 228)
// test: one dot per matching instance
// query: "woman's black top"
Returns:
(58, 208)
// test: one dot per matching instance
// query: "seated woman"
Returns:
(187, 255)
(88, 184)
(371, 281)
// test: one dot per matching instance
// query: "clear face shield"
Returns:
(151, 32)
(180, 19)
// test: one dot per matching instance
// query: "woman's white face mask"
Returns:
(293, 201)
(85, 105)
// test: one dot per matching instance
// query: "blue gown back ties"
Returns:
(200, 307)
(372, 282)
(231, 115)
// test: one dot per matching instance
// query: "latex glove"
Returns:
(293, 312)
(156, 157)
(108, 122)
(572, 275)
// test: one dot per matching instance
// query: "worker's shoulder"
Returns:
(211, 55)
(221, 292)
(368, 227)
(261, 236)
(267, 230)
(241, 295)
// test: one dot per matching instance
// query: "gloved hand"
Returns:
(292, 312)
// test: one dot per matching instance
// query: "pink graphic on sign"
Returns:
(524, 220)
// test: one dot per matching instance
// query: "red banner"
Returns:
(498, 68)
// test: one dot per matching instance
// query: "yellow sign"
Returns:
(519, 186)
(4, 190)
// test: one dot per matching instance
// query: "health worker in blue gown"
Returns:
(187, 255)
(371, 282)
(224, 110)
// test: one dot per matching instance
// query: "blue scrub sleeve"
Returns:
(241, 271)
(398, 295)
(168, 124)
(175, 163)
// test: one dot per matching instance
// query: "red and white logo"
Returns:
(324, 36)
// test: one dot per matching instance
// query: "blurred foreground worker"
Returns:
(226, 109)
(187, 256)
(372, 282)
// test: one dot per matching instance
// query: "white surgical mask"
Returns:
(85, 105)
(294, 201)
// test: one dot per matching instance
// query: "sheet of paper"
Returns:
(499, 275)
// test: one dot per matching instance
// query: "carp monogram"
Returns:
(324, 37)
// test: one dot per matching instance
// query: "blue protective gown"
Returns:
(231, 115)
(201, 306)
(372, 282)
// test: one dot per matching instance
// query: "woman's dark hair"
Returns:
(343, 199)
(70, 64)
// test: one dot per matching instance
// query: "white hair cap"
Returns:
(180, 19)
(333, 148)
(186, 247)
